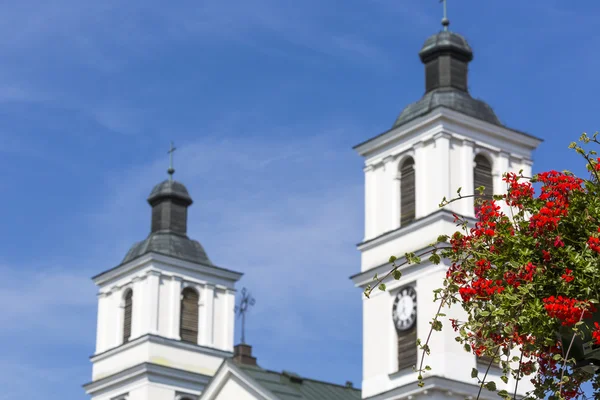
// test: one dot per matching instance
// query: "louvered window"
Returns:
(407, 349)
(188, 327)
(128, 309)
(482, 176)
(407, 191)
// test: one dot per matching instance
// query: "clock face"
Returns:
(404, 311)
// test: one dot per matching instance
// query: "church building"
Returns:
(166, 312)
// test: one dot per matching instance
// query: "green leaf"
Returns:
(504, 378)
(435, 258)
(474, 373)
(503, 393)
(491, 386)
(442, 238)
(397, 274)
(382, 287)
(427, 368)
(393, 258)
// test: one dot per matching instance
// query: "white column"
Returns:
(502, 166)
(118, 304)
(369, 201)
(138, 314)
(389, 198)
(441, 171)
(209, 303)
(174, 307)
(152, 298)
(229, 319)
(101, 339)
(467, 170)
(422, 182)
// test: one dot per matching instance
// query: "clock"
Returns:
(404, 311)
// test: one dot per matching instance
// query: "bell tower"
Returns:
(165, 313)
(444, 141)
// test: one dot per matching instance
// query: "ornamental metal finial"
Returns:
(445, 20)
(171, 170)
(245, 302)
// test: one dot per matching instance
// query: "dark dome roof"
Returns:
(168, 235)
(169, 188)
(453, 99)
(446, 56)
(169, 244)
(446, 41)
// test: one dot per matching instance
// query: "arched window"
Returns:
(482, 176)
(407, 191)
(128, 309)
(188, 325)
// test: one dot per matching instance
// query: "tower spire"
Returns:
(171, 170)
(445, 20)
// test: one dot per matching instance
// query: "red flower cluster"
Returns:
(568, 310)
(594, 244)
(488, 215)
(567, 277)
(525, 274)
(556, 189)
(517, 191)
(596, 333)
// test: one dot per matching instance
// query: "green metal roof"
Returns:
(289, 386)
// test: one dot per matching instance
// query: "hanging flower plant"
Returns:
(528, 281)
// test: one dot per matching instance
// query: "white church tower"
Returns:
(444, 141)
(165, 314)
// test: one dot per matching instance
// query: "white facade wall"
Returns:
(443, 145)
(444, 150)
(157, 282)
(156, 307)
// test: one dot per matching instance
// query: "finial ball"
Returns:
(445, 21)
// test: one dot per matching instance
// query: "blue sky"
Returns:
(264, 100)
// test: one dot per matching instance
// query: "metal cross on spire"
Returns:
(171, 170)
(245, 302)
(445, 20)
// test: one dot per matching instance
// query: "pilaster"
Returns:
(152, 298)
(441, 173)
(421, 176)
(503, 166)
(467, 205)
(391, 197)
(369, 201)
(175, 307)
(101, 326)
(138, 315)
(209, 304)
(228, 319)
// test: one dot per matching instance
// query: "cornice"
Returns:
(441, 214)
(164, 341)
(448, 387)
(441, 114)
(146, 370)
(147, 259)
